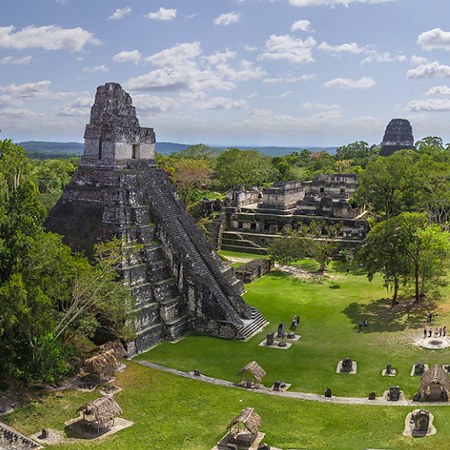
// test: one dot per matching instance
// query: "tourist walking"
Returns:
(425, 332)
(444, 331)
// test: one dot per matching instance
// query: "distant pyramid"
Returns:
(398, 136)
(177, 279)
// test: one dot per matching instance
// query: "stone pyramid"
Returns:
(178, 281)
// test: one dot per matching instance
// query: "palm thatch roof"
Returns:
(249, 419)
(101, 410)
(101, 363)
(435, 375)
(254, 369)
(117, 346)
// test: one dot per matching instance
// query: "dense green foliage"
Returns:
(406, 248)
(50, 299)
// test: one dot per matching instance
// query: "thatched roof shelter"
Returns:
(254, 370)
(117, 346)
(249, 419)
(102, 365)
(101, 411)
(435, 385)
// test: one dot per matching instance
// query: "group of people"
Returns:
(438, 332)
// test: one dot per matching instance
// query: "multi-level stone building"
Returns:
(117, 191)
(253, 218)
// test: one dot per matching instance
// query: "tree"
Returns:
(358, 153)
(199, 151)
(315, 241)
(188, 175)
(405, 248)
(48, 296)
(246, 167)
(390, 185)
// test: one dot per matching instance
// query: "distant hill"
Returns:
(44, 149)
(166, 148)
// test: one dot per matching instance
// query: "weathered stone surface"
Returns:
(177, 279)
(252, 219)
(398, 136)
(113, 134)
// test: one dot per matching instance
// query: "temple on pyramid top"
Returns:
(113, 133)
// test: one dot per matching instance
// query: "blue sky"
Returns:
(228, 72)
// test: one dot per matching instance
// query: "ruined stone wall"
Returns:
(282, 196)
(240, 197)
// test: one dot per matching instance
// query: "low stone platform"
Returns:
(351, 372)
(78, 425)
(434, 343)
(409, 426)
(222, 445)
(426, 367)
(393, 373)
(385, 397)
(283, 388)
(275, 345)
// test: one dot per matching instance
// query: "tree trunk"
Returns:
(394, 298)
(416, 277)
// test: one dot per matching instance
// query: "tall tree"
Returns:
(246, 167)
(405, 248)
(390, 185)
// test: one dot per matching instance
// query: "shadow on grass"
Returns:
(383, 316)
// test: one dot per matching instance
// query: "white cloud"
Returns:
(220, 57)
(18, 113)
(301, 25)
(163, 14)
(50, 37)
(435, 104)
(387, 57)
(120, 13)
(7, 100)
(438, 90)
(429, 70)
(343, 48)
(417, 60)
(167, 79)
(100, 68)
(154, 104)
(24, 61)
(126, 56)
(347, 83)
(79, 107)
(221, 103)
(289, 48)
(179, 71)
(435, 38)
(181, 55)
(332, 2)
(227, 19)
(27, 90)
(304, 77)
(245, 71)
(312, 106)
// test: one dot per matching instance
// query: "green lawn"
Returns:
(170, 412)
(328, 325)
